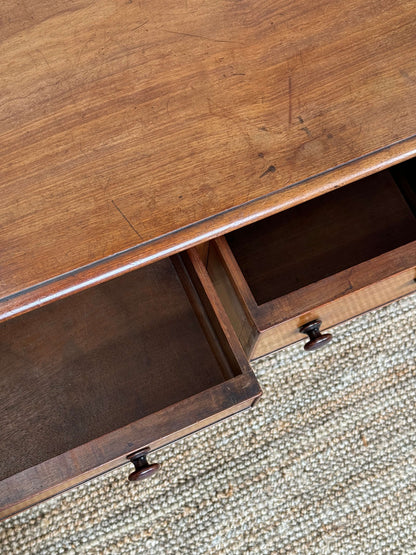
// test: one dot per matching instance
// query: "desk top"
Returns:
(131, 129)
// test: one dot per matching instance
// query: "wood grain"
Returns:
(130, 130)
(97, 361)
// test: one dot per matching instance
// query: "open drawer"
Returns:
(131, 364)
(329, 259)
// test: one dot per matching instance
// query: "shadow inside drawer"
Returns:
(89, 364)
(326, 235)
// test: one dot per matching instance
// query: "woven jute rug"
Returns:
(325, 463)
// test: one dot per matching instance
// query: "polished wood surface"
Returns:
(130, 130)
(135, 362)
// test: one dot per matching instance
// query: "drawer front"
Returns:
(135, 363)
(336, 311)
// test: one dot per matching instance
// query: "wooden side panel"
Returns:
(238, 313)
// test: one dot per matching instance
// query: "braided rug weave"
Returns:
(325, 463)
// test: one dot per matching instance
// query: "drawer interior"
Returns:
(99, 360)
(328, 234)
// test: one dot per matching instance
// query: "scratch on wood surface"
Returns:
(39, 51)
(199, 37)
(290, 98)
(127, 220)
(306, 131)
(141, 25)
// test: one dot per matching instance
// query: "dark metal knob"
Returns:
(143, 468)
(317, 340)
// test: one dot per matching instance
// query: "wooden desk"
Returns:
(132, 130)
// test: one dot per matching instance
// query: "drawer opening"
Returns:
(87, 365)
(405, 176)
(328, 234)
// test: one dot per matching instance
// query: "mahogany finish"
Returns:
(346, 302)
(131, 130)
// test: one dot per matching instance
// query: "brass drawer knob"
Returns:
(317, 340)
(143, 469)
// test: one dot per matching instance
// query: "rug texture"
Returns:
(325, 463)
